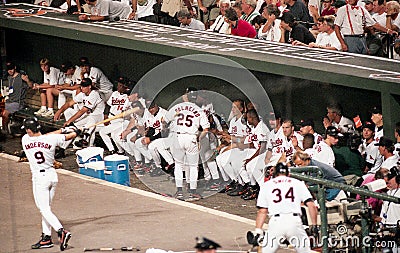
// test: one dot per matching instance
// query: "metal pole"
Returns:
(321, 196)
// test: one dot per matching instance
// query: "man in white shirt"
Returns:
(386, 149)
(368, 150)
(343, 124)
(187, 21)
(102, 10)
(377, 119)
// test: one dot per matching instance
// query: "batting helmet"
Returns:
(191, 93)
(32, 124)
(281, 168)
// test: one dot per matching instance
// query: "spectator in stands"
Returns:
(238, 26)
(392, 16)
(368, 150)
(208, 11)
(51, 78)
(249, 10)
(98, 78)
(17, 86)
(302, 159)
(349, 27)
(299, 10)
(328, 9)
(343, 124)
(397, 136)
(102, 10)
(292, 31)
(386, 149)
(143, 12)
(369, 6)
(271, 30)
(220, 26)
(327, 38)
(173, 7)
(187, 21)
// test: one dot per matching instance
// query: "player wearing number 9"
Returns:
(280, 198)
(40, 150)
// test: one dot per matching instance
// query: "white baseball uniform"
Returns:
(101, 82)
(397, 149)
(254, 170)
(40, 152)
(371, 155)
(378, 133)
(95, 105)
(280, 144)
(237, 128)
(187, 117)
(54, 77)
(323, 153)
(155, 122)
(118, 103)
(71, 80)
(282, 196)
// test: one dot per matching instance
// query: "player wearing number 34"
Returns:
(40, 150)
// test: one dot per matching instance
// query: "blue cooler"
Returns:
(90, 155)
(117, 169)
(93, 169)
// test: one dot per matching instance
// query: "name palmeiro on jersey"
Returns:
(188, 108)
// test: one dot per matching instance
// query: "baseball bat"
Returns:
(118, 116)
(111, 249)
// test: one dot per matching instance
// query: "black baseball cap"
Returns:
(376, 110)
(10, 65)
(393, 173)
(205, 244)
(66, 65)
(369, 125)
(307, 122)
(332, 131)
(84, 61)
(86, 82)
(123, 80)
(385, 142)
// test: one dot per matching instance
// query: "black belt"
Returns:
(355, 35)
(294, 214)
(42, 170)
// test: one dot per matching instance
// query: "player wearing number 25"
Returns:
(40, 150)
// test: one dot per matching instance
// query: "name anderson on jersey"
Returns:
(38, 145)
(187, 108)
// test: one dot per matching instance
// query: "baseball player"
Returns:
(40, 150)
(89, 110)
(282, 142)
(187, 118)
(237, 131)
(252, 170)
(377, 119)
(280, 198)
(98, 78)
(368, 150)
(323, 151)
(147, 145)
(118, 102)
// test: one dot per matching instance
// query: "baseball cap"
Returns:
(376, 110)
(307, 122)
(339, 3)
(123, 80)
(66, 65)
(10, 65)
(332, 131)
(205, 244)
(86, 82)
(384, 142)
(369, 125)
(84, 61)
(393, 173)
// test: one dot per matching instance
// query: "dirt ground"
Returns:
(217, 201)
